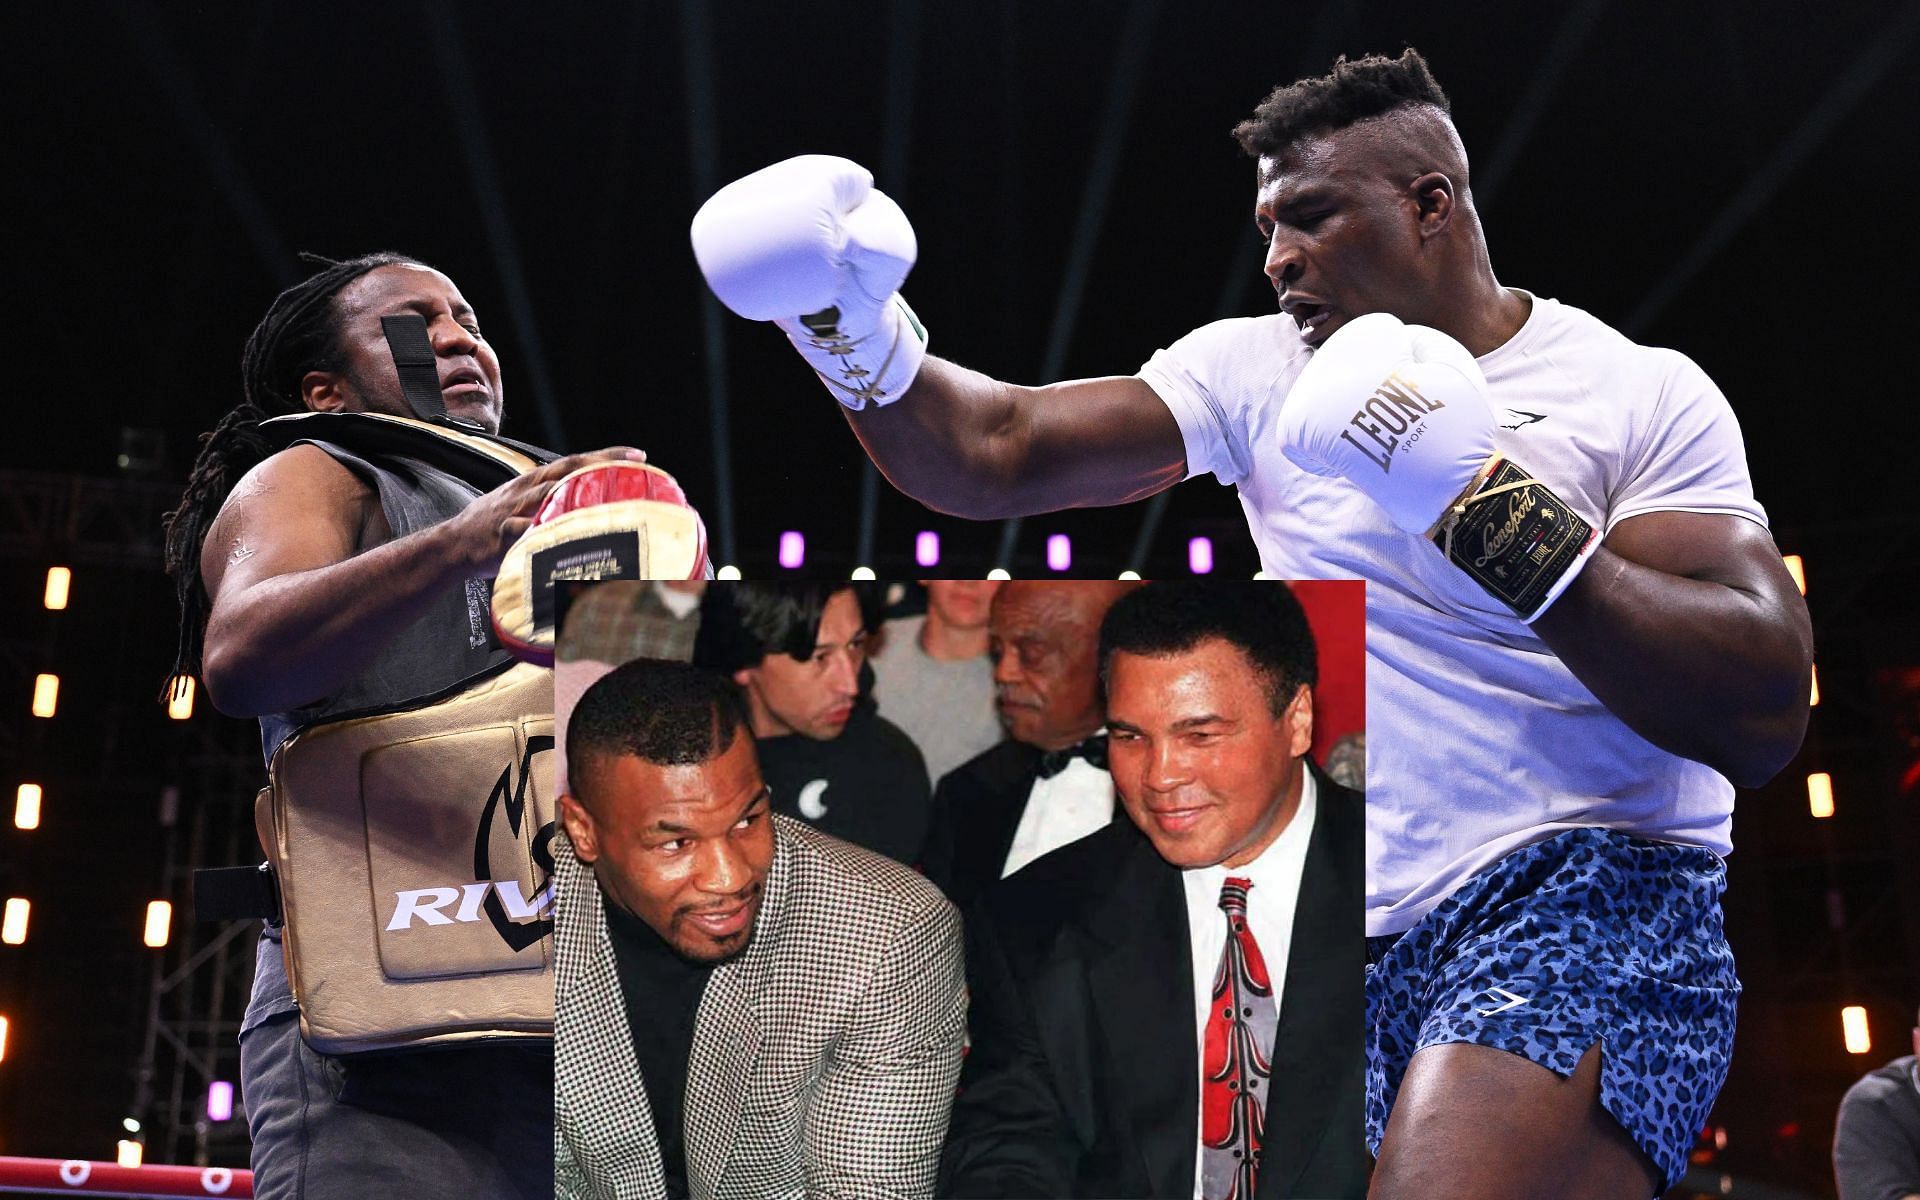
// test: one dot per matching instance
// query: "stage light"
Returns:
(999, 573)
(1200, 555)
(727, 572)
(46, 694)
(26, 807)
(59, 581)
(180, 700)
(926, 548)
(1797, 567)
(129, 1124)
(13, 926)
(864, 573)
(1059, 552)
(1261, 575)
(1129, 574)
(159, 918)
(3, 1039)
(127, 1154)
(220, 1100)
(1853, 1026)
(793, 549)
(1820, 794)
(1813, 701)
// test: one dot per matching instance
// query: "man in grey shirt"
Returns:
(1876, 1145)
(932, 677)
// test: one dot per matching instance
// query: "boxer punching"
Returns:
(339, 562)
(1580, 633)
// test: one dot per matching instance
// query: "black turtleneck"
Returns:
(662, 992)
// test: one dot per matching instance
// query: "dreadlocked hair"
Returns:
(1351, 92)
(299, 334)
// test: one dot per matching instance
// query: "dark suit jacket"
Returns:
(1083, 1079)
(976, 811)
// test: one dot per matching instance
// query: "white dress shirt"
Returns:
(1065, 808)
(1270, 905)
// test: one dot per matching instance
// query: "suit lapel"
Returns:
(988, 825)
(1323, 1005)
(726, 1041)
(1140, 970)
(601, 1099)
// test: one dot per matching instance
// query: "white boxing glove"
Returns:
(1400, 411)
(812, 246)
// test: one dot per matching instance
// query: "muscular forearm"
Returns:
(294, 638)
(1710, 671)
(954, 442)
(975, 447)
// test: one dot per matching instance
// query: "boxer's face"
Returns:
(811, 696)
(960, 603)
(1343, 233)
(684, 848)
(367, 381)
(1202, 764)
(1044, 639)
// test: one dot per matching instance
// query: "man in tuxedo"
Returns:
(1047, 784)
(746, 1008)
(1172, 1006)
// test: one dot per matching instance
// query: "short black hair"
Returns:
(741, 623)
(668, 713)
(1351, 92)
(1263, 620)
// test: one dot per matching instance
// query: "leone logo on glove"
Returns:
(1395, 407)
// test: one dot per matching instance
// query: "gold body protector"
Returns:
(412, 846)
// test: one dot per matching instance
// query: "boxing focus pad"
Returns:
(1400, 411)
(812, 246)
(615, 520)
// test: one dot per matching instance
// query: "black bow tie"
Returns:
(1094, 750)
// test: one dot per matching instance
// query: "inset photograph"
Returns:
(1111, 946)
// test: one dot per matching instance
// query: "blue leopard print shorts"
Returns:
(1590, 936)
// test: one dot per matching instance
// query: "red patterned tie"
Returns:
(1240, 1024)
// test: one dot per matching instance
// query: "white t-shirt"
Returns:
(1478, 740)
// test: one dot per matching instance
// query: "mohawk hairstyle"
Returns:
(298, 334)
(1351, 92)
(661, 712)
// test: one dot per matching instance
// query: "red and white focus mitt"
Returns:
(615, 520)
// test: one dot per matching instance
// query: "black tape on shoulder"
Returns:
(1515, 538)
(414, 359)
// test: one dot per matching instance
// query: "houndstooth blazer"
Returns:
(824, 1059)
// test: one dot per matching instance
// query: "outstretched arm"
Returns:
(299, 608)
(962, 443)
(1689, 629)
(810, 245)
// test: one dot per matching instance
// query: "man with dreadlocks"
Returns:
(1580, 633)
(340, 565)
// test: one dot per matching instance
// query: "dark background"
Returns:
(1735, 180)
